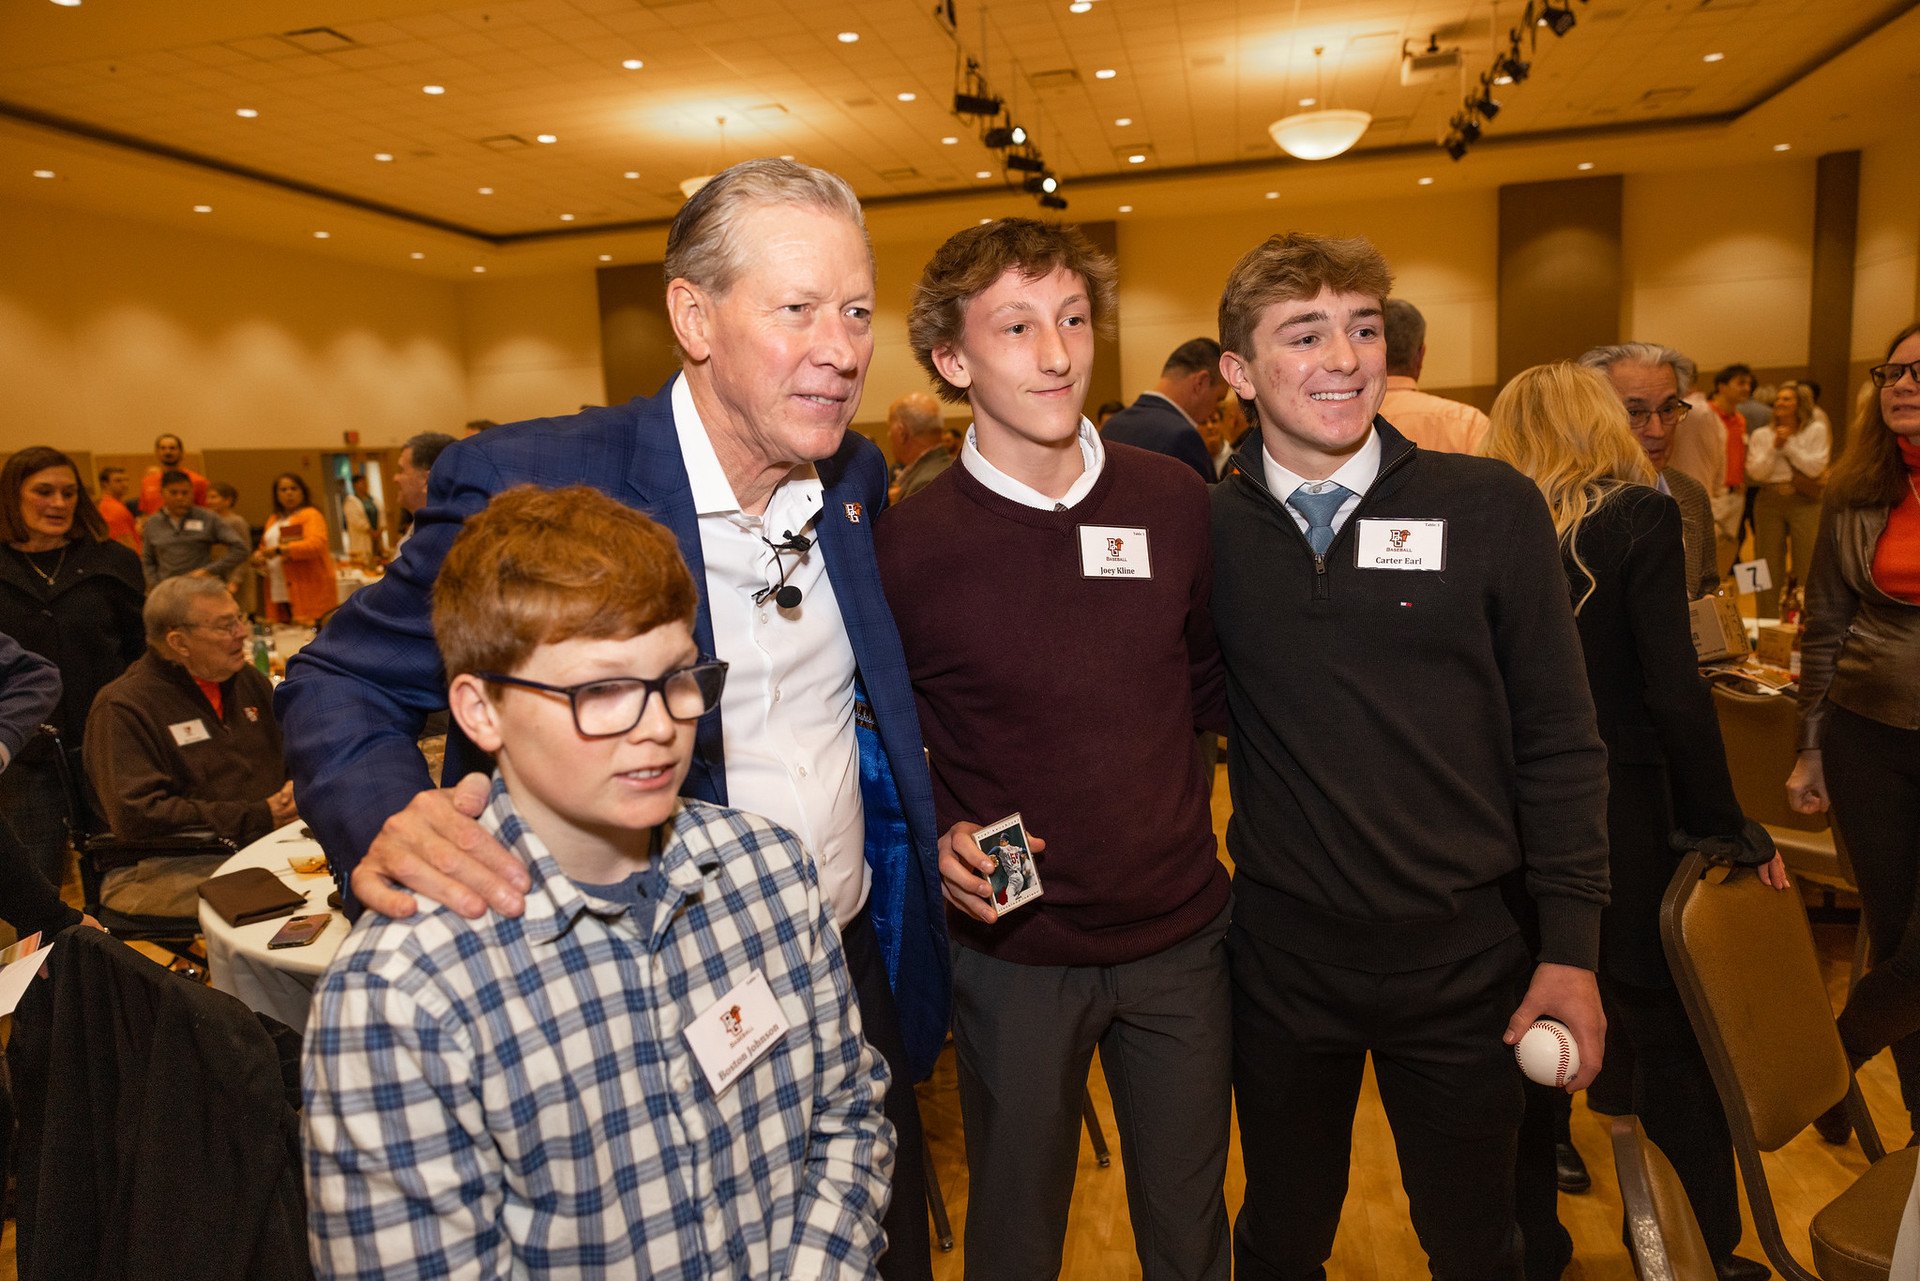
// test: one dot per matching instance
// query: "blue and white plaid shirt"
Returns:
(514, 1097)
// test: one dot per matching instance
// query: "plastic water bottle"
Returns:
(262, 650)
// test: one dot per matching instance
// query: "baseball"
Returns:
(1547, 1053)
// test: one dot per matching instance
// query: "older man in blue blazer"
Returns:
(745, 457)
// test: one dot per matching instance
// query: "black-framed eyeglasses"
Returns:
(1669, 413)
(612, 707)
(1888, 375)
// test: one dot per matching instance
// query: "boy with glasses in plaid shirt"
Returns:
(658, 1070)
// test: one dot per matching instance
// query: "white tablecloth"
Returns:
(277, 982)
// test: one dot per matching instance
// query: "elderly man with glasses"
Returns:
(1684, 441)
(185, 743)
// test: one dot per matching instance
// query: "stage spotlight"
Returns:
(1468, 129)
(1026, 164)
(1053, 202)
(973, 104)
(1486, 104)
(1514, 68)
(1043, 183)
(1002, 136)
(1558, 21)
(1456, 148)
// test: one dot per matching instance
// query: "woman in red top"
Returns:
(1860, 701)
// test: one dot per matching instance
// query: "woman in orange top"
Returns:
(1860, 703)
(294, 561)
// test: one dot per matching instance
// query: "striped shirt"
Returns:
(514, 1097)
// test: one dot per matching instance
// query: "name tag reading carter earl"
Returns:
(1402, 544)
(1114, 551)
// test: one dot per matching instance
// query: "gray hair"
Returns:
(918, 415)
(1644, 353)
(702, 245)
(1406, 335)
(425, 447)
(170, 603)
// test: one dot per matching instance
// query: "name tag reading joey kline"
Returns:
(733, 1033)
(1402, 544)
(1114, 551)
(193, 731)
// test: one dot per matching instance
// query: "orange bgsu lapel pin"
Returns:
(853, 513)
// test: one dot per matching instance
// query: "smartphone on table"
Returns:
(300, 930)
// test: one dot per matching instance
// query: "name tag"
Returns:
(194, 526)
(1402, 544)
(184, 732)
(736, 1031)
(1114, 551)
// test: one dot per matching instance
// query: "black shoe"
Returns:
(1570, 1169)
(1735, 1268)
(1833, 1124)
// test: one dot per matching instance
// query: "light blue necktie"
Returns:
(1319, 509)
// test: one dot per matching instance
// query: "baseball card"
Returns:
(1014, 880)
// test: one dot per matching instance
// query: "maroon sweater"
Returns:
(1070, 699)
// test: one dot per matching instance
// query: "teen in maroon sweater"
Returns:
(1052, 599)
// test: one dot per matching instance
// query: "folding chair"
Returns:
(1744, 959)
(1662, 1234)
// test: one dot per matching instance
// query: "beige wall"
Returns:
(1886, 290)
(532, 346)
(112, 331)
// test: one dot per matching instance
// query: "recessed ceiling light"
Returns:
(948, 141)
(606, 257)
(1137, 159)
(1426, 182)
(1584, 165)
(546, 137)
(1123, 121)
(848, 37)
(978, 173)
(1105, 73)
(416, 255)
(1308, 102)
(246, 113)
(486, 191)
(566, 217)
(631, 174)
(1080, 6)
(1712, 57)
(383, 156)
(1783, 146)
(203, 208)
(786, 157)
(435, 90)
(906, 97)
(1273, 195)
(68, 4)
(985, 221)
(322, 235)
(633, 64)
(1126, 208)
(44, 173)
(479, 271)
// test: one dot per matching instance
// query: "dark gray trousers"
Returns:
(1024, 1037)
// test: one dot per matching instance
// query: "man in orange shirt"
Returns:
(1431, 422)
(121, 526)
(169, 455)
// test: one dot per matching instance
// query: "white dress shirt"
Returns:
(1093, 457)
(1806, 451)
(1357, 474)
(787, 710)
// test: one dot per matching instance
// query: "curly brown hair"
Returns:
(1292, 268)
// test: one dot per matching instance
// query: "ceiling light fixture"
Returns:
(1321, 134)
(44, 173)
(383, 156)
(246, 113)
(633, 64)
(1426, 182)
(1486, 105)
(1053, 202)
(416, 255)
(1126, 208)
(203, 208)
(631, 174)
(1273, 195)
(1584, 165)
(949, 141)
(1123, 122)
(1309, 102)
(1000, 137)
(975, 104)
(1078, 6)
(1042, 183)
(566, 217)
(480, 271)
(1713, 57)
(848, 37)
(1025, 163)
(433, 90)
(486, 191)
(606, 257)
(1783, 146)
(983, 173)
(68, 4)
(1514, 68)
(545, 137)
(1137, 158)
(690, 187)
(322, 235)
(1105, 73)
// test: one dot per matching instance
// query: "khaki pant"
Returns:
(1784, 525)
(160, 886)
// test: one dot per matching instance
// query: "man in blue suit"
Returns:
(1167, 419)
(746, 458)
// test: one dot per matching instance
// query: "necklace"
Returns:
(58, 565)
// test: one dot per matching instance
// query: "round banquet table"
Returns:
(276, 982)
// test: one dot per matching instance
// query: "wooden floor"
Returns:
(1375, 1242)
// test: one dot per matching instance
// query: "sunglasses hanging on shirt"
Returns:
(785, 596)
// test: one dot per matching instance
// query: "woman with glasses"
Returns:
(1860, 703)
(295, 563)
(1787, 462)
(1564, 427)
(71, 595)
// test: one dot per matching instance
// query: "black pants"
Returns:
(909, 1255)
(1873, 779)
(1302, 1031)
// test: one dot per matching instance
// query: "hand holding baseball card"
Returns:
(1014, 880)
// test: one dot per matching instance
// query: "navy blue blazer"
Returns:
(1153, 422)
(355, 699)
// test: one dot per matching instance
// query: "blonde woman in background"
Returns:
(1566, 430)
(1787, 463)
